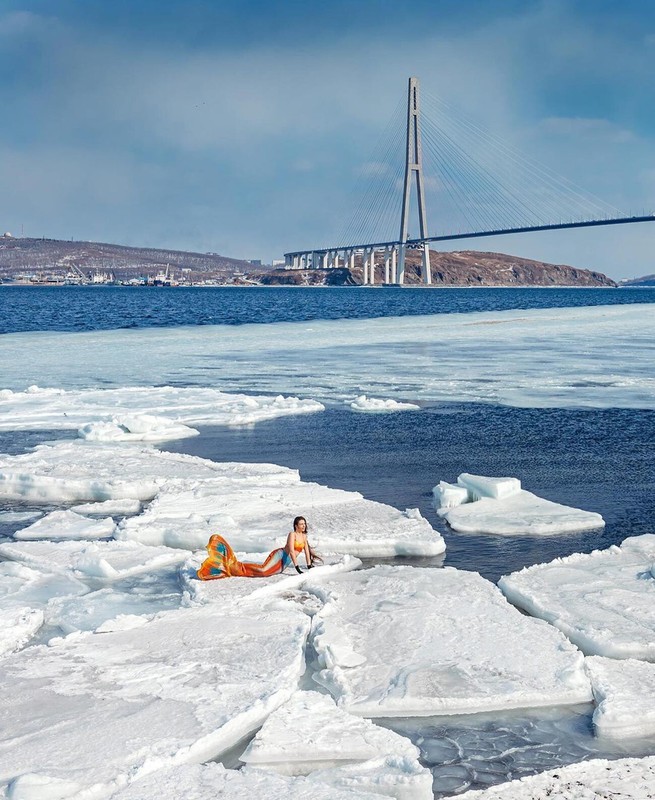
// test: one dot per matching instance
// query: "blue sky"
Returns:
(241, 127)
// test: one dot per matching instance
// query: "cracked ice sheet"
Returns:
(596, 357)
(603, 601)
(400, 641)
(211, 781)
(624, 691)
(114, 706)
(627, 778)
(145, 413)
(309, 734)
(252, 505)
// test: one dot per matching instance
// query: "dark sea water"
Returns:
(86, 308)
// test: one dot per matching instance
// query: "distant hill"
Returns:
(463, 268)
(51, 260)
(55, 257)
(647, 280)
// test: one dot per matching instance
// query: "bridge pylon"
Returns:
(413, 167)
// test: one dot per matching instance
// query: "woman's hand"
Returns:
(298, 570)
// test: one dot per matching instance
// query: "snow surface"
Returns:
(310, 735)
(596, 357)
(624, 691)
(212, 781)
(400, 641)
(479, 504)
(67, 525)
(252, 505)
(140, 413)
(117, 705)
(603, 601)
(627, 778)
(373, 405)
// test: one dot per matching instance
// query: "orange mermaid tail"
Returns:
(222, 563)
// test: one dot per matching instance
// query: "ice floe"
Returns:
(112, 508)
(211, 781)
(67, 525)
(400, 641)
(251, 505)
(310, 735)
(117, 705)
(374, 405)
(595, 357)
(624, 691)
(107, 561)
(17, 626)
(143, 413)
(603, 601)
(628, 778)
(479, 504)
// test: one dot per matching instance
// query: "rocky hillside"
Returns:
(463, 268)
(56, 258)
(646, 280)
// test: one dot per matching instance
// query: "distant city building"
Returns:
(278, 262)
(7, 235)
(256, 262)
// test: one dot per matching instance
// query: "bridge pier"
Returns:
(401, 263)
(387, 263)
(372, 267)
(425, 268)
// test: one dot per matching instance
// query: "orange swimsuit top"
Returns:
(298, 546)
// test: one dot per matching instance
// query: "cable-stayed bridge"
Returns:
(477, 185)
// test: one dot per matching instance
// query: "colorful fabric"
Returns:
(223, 563)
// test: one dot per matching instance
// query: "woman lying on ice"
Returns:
(222, 563)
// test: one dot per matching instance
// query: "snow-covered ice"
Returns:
(479, 504)
(117, 705)
(624, 691)
(375, 405)
(603, 601)
(67, 525)
(628, 778)
(212, 781)
(401, 641)
(17, 626)
(139, 413)
(310, 735)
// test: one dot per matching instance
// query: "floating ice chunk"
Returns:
(17, 626)
(137, 428)
(627, 778)
(449, 495)
(373, 405)
(520, 514)
(183, 688)
(67, 525)
(112, 508)
(18, 516)
(309, 731)
(22, 586)
(106, 560)
(399, 641)
(391, 776)
(499, 506)
(147, 413)
(624, 692)
(602, 601)
(213, 781)
(479, 486)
